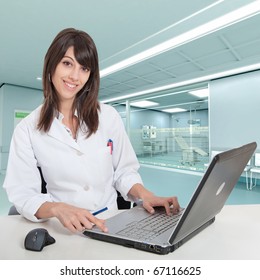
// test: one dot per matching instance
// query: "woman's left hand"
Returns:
(170, 204)
(150, 200)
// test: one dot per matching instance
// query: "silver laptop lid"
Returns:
(213, 190)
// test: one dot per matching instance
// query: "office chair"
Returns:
(13, 211)
(121, 203)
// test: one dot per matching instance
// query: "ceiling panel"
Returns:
(220, 58)
(203, 47)
(168, 59)
(184, 68)
(139, 82)
(243, 32)
(248, 50)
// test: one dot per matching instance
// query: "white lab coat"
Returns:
(83, 173)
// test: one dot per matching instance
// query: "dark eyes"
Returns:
(66, 63)
(85, 69)
(70, 64)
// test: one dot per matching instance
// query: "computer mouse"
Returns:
(38, 238)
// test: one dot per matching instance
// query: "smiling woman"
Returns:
(68, 79)
(80, 145)
(71, 61)
(69, 76)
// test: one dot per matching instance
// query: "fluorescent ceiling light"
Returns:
(198, 32)
(144, 104)
(201, 93)
(39, 78)
(174, 110)
(167, 28)
(206, 78)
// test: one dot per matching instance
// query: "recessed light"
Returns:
(174, 110)
(201, 93)
(144, 104)
(39, 78)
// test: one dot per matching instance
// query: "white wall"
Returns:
(234, 114)
(11, 99)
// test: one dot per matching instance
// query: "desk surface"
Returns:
(234, 235)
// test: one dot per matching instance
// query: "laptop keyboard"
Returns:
(150, 227)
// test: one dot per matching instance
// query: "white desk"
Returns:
(234, 235)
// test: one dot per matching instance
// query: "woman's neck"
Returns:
(69, 120)
(66, 108)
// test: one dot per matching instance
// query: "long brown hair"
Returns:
(86, 101)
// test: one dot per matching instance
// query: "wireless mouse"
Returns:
(38, 238)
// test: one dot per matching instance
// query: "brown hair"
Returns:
(86, 101)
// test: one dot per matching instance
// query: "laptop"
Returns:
(136, 227)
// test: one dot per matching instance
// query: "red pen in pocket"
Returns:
(110, 144)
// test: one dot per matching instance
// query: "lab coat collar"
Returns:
(60, 116)
(58, 132)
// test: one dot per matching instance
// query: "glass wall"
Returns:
(172, 131)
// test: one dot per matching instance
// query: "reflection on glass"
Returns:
(170, 130)
(185, 148)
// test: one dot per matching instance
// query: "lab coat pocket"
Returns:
(105, 165)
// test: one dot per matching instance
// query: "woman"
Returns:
(80, 145)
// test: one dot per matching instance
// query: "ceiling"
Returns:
(218, 39)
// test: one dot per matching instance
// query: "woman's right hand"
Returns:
(73, 218)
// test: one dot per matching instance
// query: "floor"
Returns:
(167, 183)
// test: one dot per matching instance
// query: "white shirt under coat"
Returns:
(83, 173)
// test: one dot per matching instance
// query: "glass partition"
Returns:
(167, 133)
